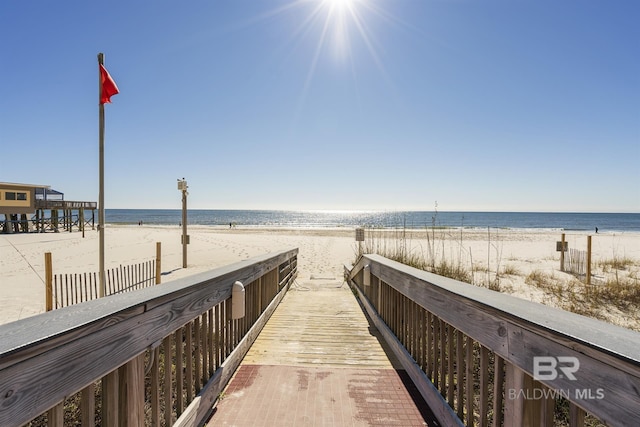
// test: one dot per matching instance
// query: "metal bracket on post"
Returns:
(237, 301)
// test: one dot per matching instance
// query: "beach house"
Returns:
(28, 207)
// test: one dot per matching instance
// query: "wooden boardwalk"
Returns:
(319, 361)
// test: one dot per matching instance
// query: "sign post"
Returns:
(359, 239)
(562, 247)
(182, 186)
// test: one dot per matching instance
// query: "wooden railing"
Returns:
(484, 358)
(156, 356)
(64, 204)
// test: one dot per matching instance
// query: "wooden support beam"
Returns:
(110, 399)
(55, 416)
(588, 260)
(88, 405)
(135, 399)
(158, 262)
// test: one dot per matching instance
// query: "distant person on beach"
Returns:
(230, 225)
(596, 230)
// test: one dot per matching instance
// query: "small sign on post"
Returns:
(359, 239)
(562, 248)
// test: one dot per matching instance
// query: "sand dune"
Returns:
(323, 252)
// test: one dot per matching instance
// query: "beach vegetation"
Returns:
(480, 268)
(511, 270)
(612, 296)
(452, 270)
(543, 280)
(621, 293)
(616, 263)
(615, 284)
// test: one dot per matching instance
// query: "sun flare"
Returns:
(339, 4)
(335, 30)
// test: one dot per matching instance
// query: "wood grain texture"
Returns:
(319, 324)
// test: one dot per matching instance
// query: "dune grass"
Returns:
(617, 285)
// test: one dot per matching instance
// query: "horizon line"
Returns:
(379, 210)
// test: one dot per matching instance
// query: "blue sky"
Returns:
(517, 105)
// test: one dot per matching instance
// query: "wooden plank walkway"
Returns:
(320, 362)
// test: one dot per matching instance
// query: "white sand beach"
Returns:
(323, 252)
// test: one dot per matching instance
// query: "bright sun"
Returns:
(340, 19)
(339, 4)
(337, 24)
(338, 28)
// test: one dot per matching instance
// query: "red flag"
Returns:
(108, 86)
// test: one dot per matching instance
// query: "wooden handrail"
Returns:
(47, 357)
(604, 359)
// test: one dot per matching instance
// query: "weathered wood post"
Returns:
(182, 186)
(81, 220)
(359, 239)
(519, 410)
(54, 220)
(88, 405)
(55, 415)
(588, 260)
(131, 393)
(110, 398)
(48, 274)
(158, 262)
(562, 253)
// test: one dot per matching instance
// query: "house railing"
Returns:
(484, 358)
(155, 356)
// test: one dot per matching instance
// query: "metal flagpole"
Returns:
(101, 168)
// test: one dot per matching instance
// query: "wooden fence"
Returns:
(66, 289)
(157, 356)
(576, 262)
(474, 353)
(71, 289)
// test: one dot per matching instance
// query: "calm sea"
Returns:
(616, 222)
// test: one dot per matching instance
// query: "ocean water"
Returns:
(606, 222)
